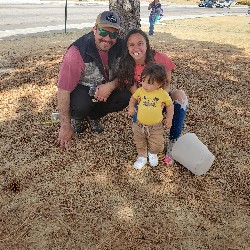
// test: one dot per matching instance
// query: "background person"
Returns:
(91, 60)
(136, 55)
(148, 129)
(155, 14)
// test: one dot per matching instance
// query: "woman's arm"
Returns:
(104, 90)
(167, 87)
(169, 66)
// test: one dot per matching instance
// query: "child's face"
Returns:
(149, 86)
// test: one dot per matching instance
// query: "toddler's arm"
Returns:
(131, 106)
(169, 116)
(133, 89)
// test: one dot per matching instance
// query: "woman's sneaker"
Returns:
(168, 158)
(153, 159)
(140, 162)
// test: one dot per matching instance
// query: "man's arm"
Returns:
(113, 84)
(66, 132)
(69, 75)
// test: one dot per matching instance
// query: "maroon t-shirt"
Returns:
(73, 66)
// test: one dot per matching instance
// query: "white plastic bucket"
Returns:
(192, 154)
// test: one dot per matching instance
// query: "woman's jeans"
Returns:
(180, 111)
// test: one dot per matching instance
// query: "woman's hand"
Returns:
(103, 91)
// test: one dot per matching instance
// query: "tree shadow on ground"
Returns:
(91, 198)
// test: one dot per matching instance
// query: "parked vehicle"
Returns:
(207, 3)
(223, 4)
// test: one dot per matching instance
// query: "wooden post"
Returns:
(66, 13)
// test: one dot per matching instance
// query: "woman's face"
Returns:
(137, 48)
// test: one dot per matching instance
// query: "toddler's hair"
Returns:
(156, 73)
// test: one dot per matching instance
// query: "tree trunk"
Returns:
(129, 13)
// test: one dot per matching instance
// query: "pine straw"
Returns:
(90, 197)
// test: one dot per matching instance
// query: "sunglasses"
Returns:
(103, 33)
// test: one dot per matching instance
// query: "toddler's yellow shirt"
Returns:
(150, 106)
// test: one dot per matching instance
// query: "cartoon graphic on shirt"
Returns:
(150, 103)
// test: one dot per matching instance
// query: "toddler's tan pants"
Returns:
(148, 137)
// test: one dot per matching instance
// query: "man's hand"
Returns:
(103, 91)
(65, 136)
(65, 133)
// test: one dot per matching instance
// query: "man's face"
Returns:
(102, 39)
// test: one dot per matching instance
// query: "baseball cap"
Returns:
(108, 19)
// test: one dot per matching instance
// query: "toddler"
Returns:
(148, 129)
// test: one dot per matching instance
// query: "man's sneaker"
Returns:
(140, 162)
(78, 125)
(153, 159)
(95, 125)
(168, 158)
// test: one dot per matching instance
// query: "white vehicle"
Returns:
(223, 4)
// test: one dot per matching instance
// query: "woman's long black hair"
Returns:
(127, 63)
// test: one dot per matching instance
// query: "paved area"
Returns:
(20, 17)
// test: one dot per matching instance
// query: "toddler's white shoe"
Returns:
(140, 162)
(153, 159)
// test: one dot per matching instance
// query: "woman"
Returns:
(136, 54)
(155, 14)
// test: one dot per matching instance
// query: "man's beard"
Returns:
(104, 44)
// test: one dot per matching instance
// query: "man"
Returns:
(87, 84)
